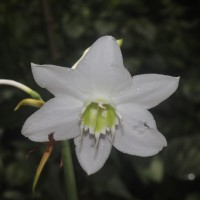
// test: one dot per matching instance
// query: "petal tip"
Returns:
(33, 65)
(108, 39)
(24, 129)
(176, 80)
(163, 141)
(89, 172)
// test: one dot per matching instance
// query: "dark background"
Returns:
(160, 36)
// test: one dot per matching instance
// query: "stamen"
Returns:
(100, 104)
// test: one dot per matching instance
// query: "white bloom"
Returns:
(99, 104)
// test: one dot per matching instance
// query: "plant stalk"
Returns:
(69, 171)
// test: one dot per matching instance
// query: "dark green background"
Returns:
(160, 36)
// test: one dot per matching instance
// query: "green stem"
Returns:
(69, 171)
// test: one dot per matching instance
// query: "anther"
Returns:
(100, 104)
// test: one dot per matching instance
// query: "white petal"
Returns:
(90, 157)
(58, 80)
(59, 116)
(138, 134)
(149, 90)
(102, 69)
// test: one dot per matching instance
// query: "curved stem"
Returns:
(69, 171)
(21, 86)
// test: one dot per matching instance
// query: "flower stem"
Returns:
(69, 171)
(21, 86)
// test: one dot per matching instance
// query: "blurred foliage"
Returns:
(160, 36)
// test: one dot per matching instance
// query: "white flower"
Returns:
(99, 104)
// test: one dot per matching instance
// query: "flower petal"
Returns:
(102, 69)
(90, 156)
(138, 134)
(149, 90)
(59, 116)
(58, 80)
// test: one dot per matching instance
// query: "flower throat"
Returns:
(99, 118)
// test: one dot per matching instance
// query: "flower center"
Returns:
(99, 118)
